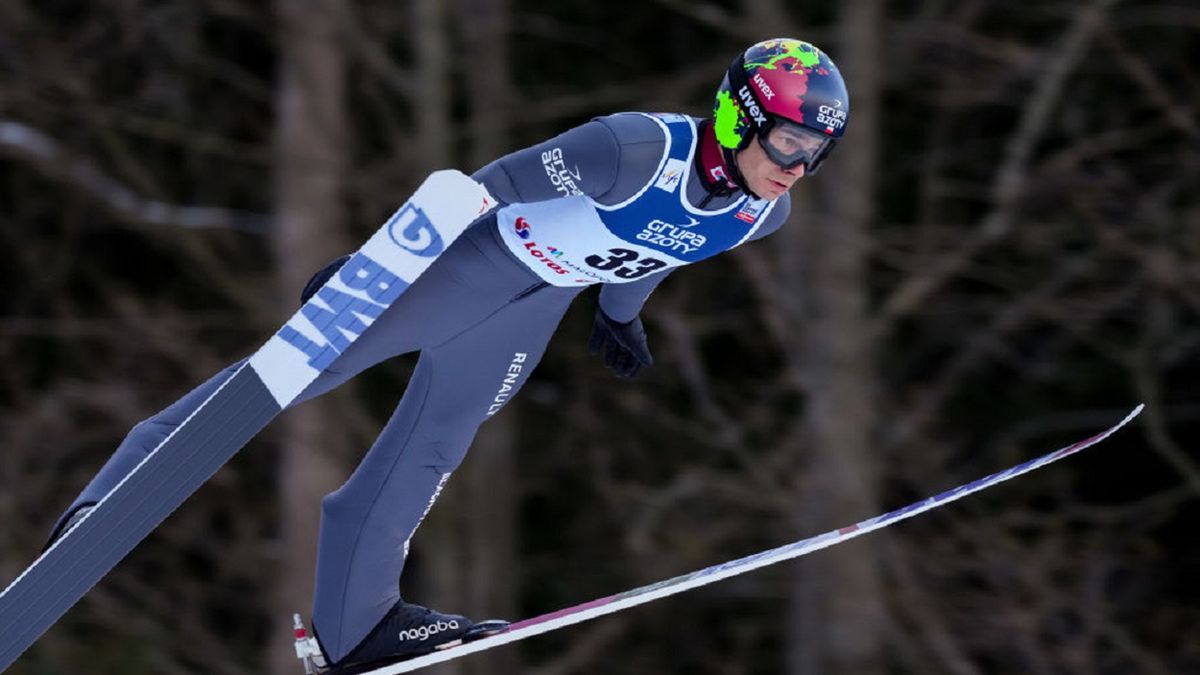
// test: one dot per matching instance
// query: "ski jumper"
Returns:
(612, 202)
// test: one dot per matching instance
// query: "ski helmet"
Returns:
(782, 83)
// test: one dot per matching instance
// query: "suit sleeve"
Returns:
(581, 161)
(623, 302)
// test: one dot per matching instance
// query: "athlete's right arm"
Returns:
(583, 160)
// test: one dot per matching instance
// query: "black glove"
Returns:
(627, 352)
(318, 280)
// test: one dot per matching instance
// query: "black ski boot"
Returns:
(409, 630)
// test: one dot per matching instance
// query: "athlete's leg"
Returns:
(367, 523)
(461, 288)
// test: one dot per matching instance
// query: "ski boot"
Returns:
(405, 632)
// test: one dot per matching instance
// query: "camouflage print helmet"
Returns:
(778, 81)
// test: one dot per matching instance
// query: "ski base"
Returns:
(615, 603)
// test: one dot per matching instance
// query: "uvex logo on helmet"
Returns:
(763, 87)
(752, 105)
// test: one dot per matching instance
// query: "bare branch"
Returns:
(25, 143)
(1156, 91)
(1012, 175)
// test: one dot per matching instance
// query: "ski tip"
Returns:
(1132, 414)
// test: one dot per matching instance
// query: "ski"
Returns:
(662, 589)
(378, 273)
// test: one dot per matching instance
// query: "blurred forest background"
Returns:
(1001, 258)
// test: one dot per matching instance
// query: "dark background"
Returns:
(1000, 259)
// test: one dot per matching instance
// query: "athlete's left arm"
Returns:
(623, 302)
(581, 161)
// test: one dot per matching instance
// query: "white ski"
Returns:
(639, 596)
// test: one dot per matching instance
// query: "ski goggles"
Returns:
(789, 145)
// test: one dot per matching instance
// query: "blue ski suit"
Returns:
(613, 202)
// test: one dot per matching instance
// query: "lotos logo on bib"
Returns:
(525, 231)
(521, 227)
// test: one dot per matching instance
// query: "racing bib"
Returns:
(574, 241)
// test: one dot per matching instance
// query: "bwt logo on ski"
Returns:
(427, 631)
(412, 231)
(751, 105)
(338, 314)
(676, 238)
(561, 178)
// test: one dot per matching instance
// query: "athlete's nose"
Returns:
(797, 171)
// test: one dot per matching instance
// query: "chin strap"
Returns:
(735, 174)
(717, 168)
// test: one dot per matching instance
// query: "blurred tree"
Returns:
(488, 574)
(311, 161)
(838, 605)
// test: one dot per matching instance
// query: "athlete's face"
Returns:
(763, 176)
